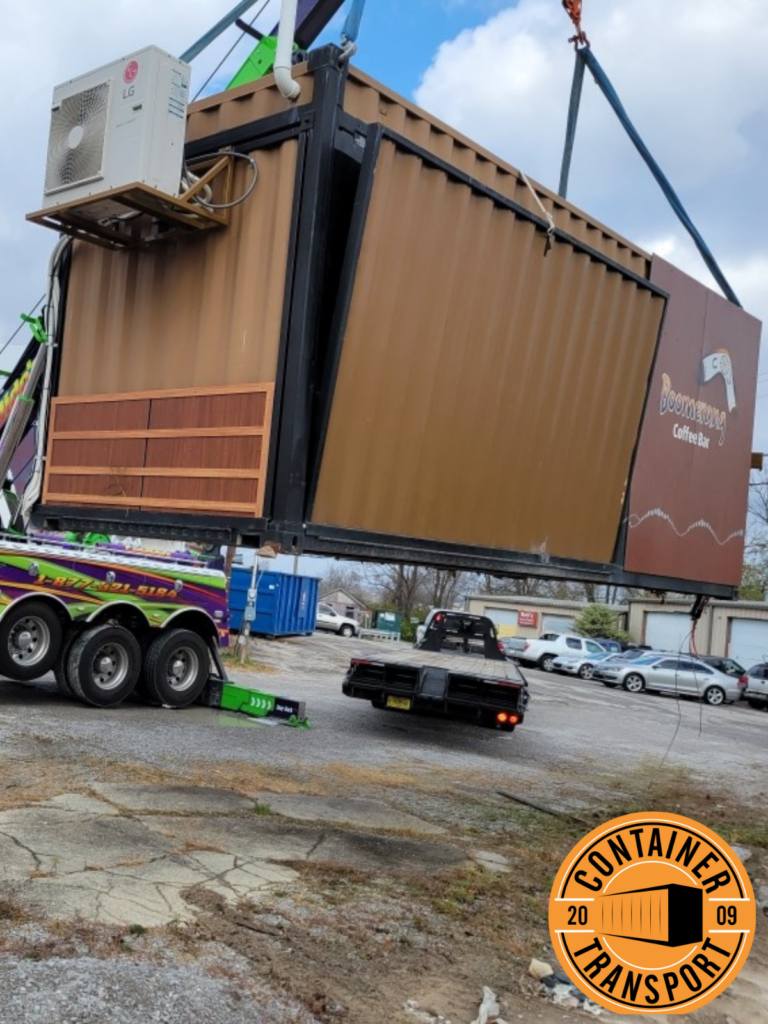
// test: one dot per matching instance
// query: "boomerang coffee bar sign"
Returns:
(688, 494)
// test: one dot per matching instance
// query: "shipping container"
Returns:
(386, 325)
(667, 915)
(286, 605)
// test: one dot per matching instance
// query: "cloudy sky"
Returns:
(693, 75)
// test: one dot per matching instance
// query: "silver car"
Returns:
(584, 666)
(672, 674)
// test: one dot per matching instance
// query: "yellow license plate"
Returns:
(403, 703)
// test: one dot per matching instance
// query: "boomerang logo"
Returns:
(718, 364)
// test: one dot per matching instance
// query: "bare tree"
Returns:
(442, 587)
(348, 578)
(398, 585)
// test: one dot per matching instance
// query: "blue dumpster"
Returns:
(286, 605)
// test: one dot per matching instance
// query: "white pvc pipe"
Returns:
(285, 35)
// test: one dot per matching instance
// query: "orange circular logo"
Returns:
(652, 913)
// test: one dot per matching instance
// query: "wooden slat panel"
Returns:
(209, 411)
(181, 473)
(224, 492)
(137, 396)
(97, 452)
(209, 507)
(108, 486)
(228, 453)
(201, 449)
(132, 415)
(181, 432)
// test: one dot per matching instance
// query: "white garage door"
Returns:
(748, 642)
(504, 619)
(668, 631)
(557, 624)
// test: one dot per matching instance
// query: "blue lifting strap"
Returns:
(585, 54)
(352, 25)
(573, 117)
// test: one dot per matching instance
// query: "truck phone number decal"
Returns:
(101, 586)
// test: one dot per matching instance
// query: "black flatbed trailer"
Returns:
(457, 671)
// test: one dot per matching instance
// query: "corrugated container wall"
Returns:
(286, 605)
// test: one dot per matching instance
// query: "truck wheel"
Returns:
(60, 669)
(547, 662)
(103, 665)
(30, 640)
(176, 668)
(346, 631)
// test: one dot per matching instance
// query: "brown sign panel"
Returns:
(688, 497)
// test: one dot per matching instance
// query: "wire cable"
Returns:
(22, 324)
(229, 52)
(241, 199)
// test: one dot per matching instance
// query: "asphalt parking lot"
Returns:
(199, 837)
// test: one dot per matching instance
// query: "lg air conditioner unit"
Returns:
(119, 125)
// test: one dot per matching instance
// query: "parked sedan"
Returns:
(581, 665)
(687, 677)
(757, 686)
(730, 667)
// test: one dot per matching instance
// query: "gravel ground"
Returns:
(91, 991)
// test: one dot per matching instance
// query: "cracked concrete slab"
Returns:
(79, 803)
(77, 856)
(174, 799)
(346, 811)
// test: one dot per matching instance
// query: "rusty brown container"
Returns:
(398, 349)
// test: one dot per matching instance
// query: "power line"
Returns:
(229, 52)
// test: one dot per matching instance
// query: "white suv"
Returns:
(328, 618)
(544, 651)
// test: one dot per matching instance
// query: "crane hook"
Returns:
(573, 10)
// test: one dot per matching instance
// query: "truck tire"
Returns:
(30, 639)
(347, 630)
(176, 668)
(61, 670)
(757, 704)
(103, 665)
(547, 662)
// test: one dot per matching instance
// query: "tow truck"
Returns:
(458, 670)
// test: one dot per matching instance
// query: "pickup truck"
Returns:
(456, 671)
(549, 646)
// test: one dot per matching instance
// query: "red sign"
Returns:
(688, 497)
(528, 619)
(131, 71)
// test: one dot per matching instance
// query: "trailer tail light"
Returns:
(506, 718)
